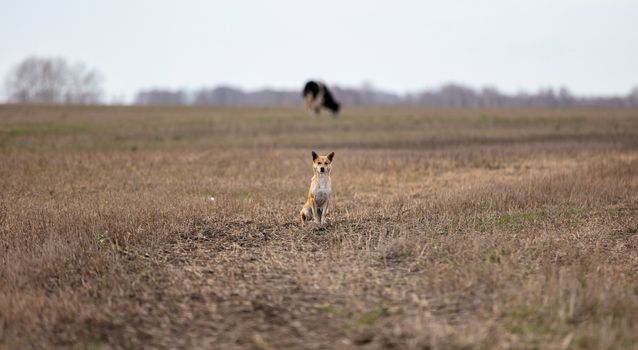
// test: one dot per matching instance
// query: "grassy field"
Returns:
(449, 229)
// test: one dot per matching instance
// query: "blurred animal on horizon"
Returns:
(317, 95)
(316, 206)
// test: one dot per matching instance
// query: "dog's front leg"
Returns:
(321, 214)
(318, 102)
(315, 213)
(323, 210)
(309, 102)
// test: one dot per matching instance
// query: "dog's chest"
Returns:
(321, 190)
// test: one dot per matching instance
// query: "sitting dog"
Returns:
(316, 95)
(316, 206)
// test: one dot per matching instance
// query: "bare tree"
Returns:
(53, 80)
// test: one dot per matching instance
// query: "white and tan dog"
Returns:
(316, 206)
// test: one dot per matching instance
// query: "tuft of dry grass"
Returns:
(449, 228)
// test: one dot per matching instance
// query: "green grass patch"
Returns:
(514, 220)
(102, 239)
(575, 211)
(330, 310)
(371, 316)
(532, 319)
(40, 129)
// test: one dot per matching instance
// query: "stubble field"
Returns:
(131, 227)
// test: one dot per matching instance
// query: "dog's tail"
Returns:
(305, 214)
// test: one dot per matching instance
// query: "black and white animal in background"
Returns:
(317, 96)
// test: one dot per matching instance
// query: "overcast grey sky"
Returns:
(590, 46)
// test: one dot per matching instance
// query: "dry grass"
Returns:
(449, 229)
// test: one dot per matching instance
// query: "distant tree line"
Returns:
(54, 80)
(220, 96)
(450, 95)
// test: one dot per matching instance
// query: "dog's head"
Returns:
(322, 164)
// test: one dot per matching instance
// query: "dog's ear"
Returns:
(331, 155)
(314, 155)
